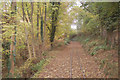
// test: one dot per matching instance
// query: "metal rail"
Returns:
(79, 62)
(81, 68)
(71, 64)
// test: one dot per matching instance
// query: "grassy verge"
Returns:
(38, 67)
(92, 44)
(31, 67)
(102, 53)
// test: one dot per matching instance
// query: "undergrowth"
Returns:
(66, 41)
(95, 45)
(29, 68)
(91, 44)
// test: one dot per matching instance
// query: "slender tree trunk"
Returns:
(28, 45)
(41, 13)
(44, 42)
(30, 16)
(26, 32)
(11, 57)
(13, 43)
(38, 20)
(41, 28)
(32, 31)
(54, 22)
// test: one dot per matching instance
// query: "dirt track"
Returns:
(71, 62)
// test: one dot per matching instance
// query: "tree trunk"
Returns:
(26, 32)
(28, 45)
(32, 31)
(54, 21)
(41, 13)
(13, 43)
(38, 20)
(44, 42)
(11, 57)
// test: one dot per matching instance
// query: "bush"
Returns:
(66, 41)
(100, 47)
(92, 44)
(86, 40)
(38, 66)
(96, 48)
(72, 36)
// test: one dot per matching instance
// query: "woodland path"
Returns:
(71, 62)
